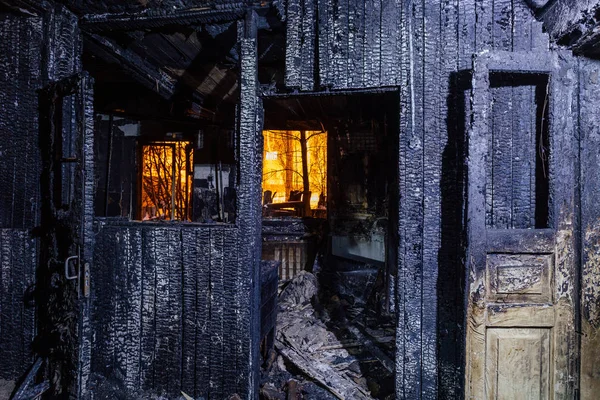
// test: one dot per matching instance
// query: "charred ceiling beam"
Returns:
(153, 19)
(27, 7)
(142, 71)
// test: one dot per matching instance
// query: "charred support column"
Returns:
(249, 217)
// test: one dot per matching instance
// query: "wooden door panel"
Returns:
(518, 363)
(520, 340)
(519, 278)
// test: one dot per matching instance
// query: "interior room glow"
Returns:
(282, 164)
(166, 183)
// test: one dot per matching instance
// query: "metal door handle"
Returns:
(67, 261)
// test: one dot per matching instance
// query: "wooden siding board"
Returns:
(175, 329)
(217, 362)
(390, 56)
(103, 300)
(340, 43)
(249, 220)
(6, 294)
(190, 264)
(120, 303)
(293, 48)
(163, 255)
(230, 330)
(412, 206)
(307, 45)
(323, 37)
(356, 50)
(589, 92)
(149, 299)
(203, 312)
(372, 43)
(134, 307)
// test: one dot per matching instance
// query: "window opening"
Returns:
(166, 181)
(295, 173)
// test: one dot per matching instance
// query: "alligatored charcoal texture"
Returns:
(482, 164)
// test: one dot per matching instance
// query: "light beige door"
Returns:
(521, 340)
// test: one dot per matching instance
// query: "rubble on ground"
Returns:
(322, 355)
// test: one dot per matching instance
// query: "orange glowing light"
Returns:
(166, 183)
(282, 164)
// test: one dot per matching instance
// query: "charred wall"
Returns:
(426, 49)
(35, 48)
(164, 308)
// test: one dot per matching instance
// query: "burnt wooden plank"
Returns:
(390, 56)
(523, 128)
(202, 304)
(499, 179)
(323, 34)
(499, 171)
(406, 125)
(249, 219)
(150, 251)
(340, 44)
(466, 33)
(589, 90)
(175, 328)
(432, 146)
(190, 247)
(6, 294)
(133, 258)
(230, 327)
(372, 43)
(293, 48)
(307, 45)
(120, 271)
(103, 290)
(217, 361)
(8, 124)
(412, 208)
(356, 35)
(18, 272)
(163, 254)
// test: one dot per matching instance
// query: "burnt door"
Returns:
(67, 184)
(521, 265)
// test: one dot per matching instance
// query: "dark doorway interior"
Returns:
(343, 249)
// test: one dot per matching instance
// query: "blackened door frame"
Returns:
(67, 143)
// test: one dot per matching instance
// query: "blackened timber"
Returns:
(134, 308)
(249, 214)
(589, 90)
(175, 329)
(307, 44)
(293, 53)
(150, 249)
(163, 254)
(432, 167)
(230, 328)
(190, 260)
(152, 19)
(203, 326)
(217, 305)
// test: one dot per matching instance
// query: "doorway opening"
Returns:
(334, 236)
